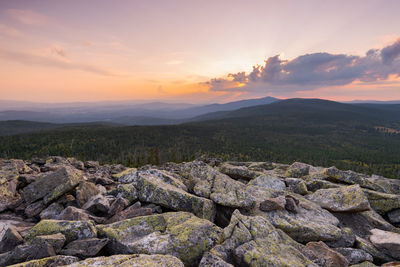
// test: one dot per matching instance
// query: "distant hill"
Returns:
(155, 113)
(361, 137)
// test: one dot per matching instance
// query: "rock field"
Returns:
(65, 212)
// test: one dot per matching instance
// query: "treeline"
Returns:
(356, 147)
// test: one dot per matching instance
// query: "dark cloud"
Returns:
(31, 59)
(311, 71)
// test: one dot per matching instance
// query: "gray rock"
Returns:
(268, 182)
(57, 241)
(296, 185)
(354, 255)
(343, 199)
(53, 185)
(387, 241)
(97, 204)
(394, 216)
(85, 191)
(324, 256)
(277, 203)
(298, 169)
(85, 247)
(52, 211)
(238, 172)
(9, 239)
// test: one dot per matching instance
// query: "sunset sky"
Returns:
(198, 51)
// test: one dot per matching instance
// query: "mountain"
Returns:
(153, 113)
(361, 137)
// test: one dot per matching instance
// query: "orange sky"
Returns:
(63, 51)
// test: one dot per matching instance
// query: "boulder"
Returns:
(9, 197)
(57, 241)
(53, 261)
(52, 211)
(343, 199)
(85, 191)
(118, 205)
(277, 203)
(394, 216)
(53, 185)
(209, 183)
(238, 172)
(268, 182)
(152, 188)
(365, 264)
(136, 260)
(84, 248)
(382, 202)
(209, 259)
(379, 255)
(72, 230)
(127, 191)
(34, 209)
(74, 214)
(309, 222)
(180, 234)
(316, 184)
(354, 255)
(134, 210)
(298, 169)
(97, 204)
(9, 239)
(376, 183)
(253, 241)
(361, 223)
(323, 256)
(296, 185)
(389, 242)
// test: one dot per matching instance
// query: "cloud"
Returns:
(10, 31)
(59, 52)
(32, 59)
(26, 16)
(311, 71)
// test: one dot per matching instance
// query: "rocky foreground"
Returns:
(57, 211)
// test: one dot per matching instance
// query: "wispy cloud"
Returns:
(10, 31)
(311, 71)
(32, 59)
(26, 16)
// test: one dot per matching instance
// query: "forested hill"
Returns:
(361, 137)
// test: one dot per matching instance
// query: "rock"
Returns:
(389, 242)
(343, 199)
(322, 255)
(354, 255)
(23, 253)
(84, 248)
(180, 234)
(127, 191)
(34, 209)
(268, 182)
(117, 176)
(316, 184)
(20, 226)
(391, 264)
(220, 188)
(382, 202)
(309, 223)
(210, 259)
(296, 185)
(74, 214)
(394, 216)
(298, 170)
(277, 203)
(380, 184)
(131, 212)
(238, 172)
(135, 260)
(52, 211)
(9, 197)
(362, 222)
(53, 185)
(85, 191)
(153, 189)
(57, 241)
(97, 204)
(291, 204)
(9, 239)
(253, 241)
(364, 264)
(72, 230)
(118, 205)
(91, 164)
(378, 255)
(347, 239)
(54, 261)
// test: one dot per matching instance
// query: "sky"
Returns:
(198, 51)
